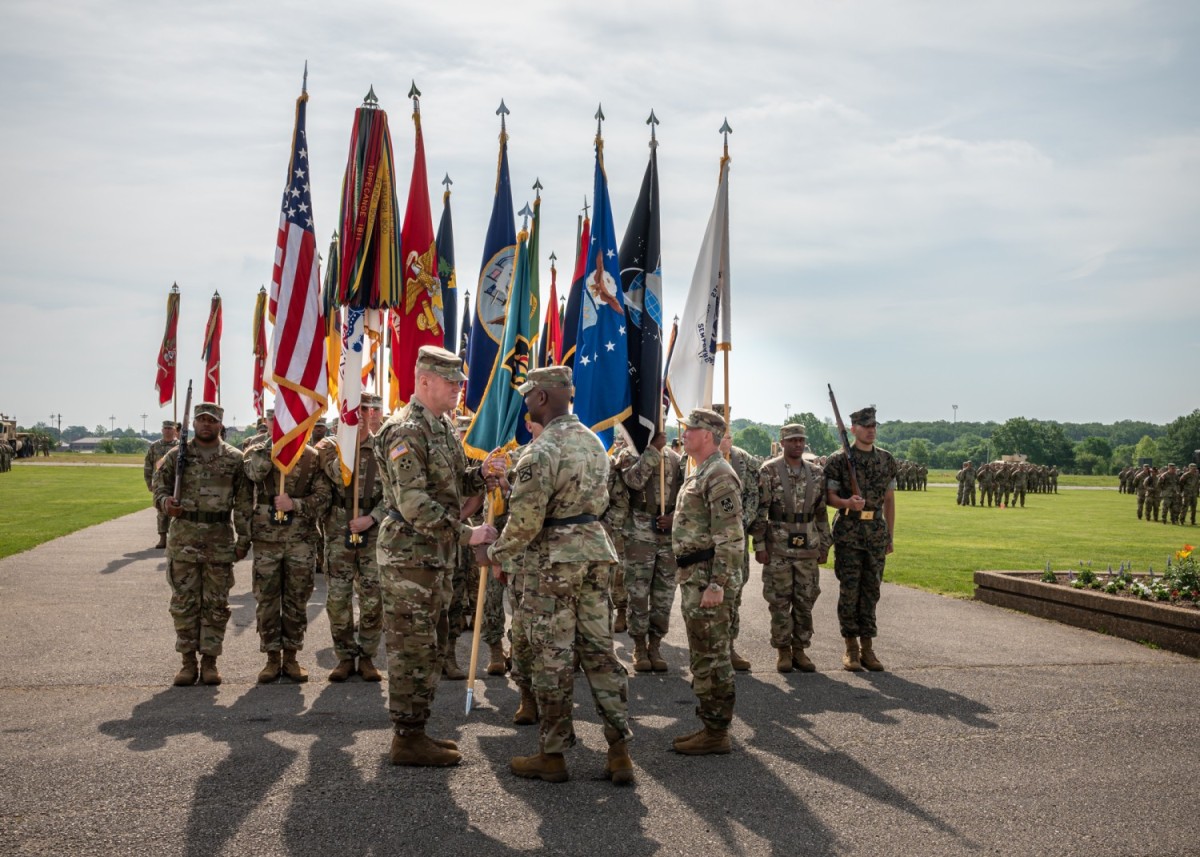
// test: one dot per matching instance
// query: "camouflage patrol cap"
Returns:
(168, 424)
(321, 422)
(370, 400)
(793, 430)
(547, 378)
(719, 408)
(865, 417)
(209, 409)
(707, 420)
(439, 361)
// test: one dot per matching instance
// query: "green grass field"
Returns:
(42, 503)
(85, 458)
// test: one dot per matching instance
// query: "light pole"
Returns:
(787, 412)
(144, 423)
(955, 414)
(112, 426)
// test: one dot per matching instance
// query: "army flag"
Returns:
(550, 348)
(497, 421)
(211, 353)
(601, 355)
(352, 344)
(570, 321)
(259, 326)
(495, 278)
(164, 379)
(704, 325)
(445, 256)
(298, 343)
(641, 281)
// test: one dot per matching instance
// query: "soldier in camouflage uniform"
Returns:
(354, 569)
(649, 561)
(426, 480)
(154, 456)
(616, 520)
(1189, 482)
(1170, 494)
(557, 499)
(862, 535)
(284, 532)
(6, 457)
(1020, 481)
(791, 540)
(262, 430)
(1139, 486)
(987, 481)
(201, 547)
(1150, 487)
(746, 467)
(709, 543)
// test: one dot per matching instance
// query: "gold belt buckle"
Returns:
(867, 515)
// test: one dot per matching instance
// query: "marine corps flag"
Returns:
(601, 355)
(418, 319)
(164, 380)
(211, 354)
(298, 338)
(445, 257)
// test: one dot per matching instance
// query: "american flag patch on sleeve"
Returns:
(397, 451)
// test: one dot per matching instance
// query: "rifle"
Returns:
(845, 443)
(181, 460)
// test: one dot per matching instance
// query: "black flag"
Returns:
(445, 256)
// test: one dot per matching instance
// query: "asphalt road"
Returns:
(991, 733)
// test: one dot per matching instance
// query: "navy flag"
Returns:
(445, 256)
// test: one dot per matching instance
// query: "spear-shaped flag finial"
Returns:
(652, 121)
(371, 99)
(726, 130)
(527, 213)
(585, 207)
(413, 92)
(175, 287)
(502, 111)
(553, 258)
(537, 187)
(599, 117)
(304, 82)
(216, 294)
(447, 181)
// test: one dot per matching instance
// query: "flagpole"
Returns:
(725, 131)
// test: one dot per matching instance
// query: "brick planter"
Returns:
(1165, 625)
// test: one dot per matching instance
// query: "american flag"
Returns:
(298, 338)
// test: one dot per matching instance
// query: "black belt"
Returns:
(206, 517)
(790, 517)
(574, 519)
(864, 514)
(695, 557)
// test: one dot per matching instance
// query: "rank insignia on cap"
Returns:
(397, 451)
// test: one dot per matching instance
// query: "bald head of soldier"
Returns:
(438, 379)
(548, 392)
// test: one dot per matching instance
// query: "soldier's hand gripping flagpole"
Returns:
(480, 596)
(845, 438)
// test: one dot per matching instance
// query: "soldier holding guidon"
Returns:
(154, 460)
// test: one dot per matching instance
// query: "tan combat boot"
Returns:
(655, 654)
(450, 667)
(527, 711)
(737, 661)
(783, 663)
(292, 668)
(618, 767)
(850, 661)
(270, 672)
(620, 622)
(415, 749)
(343, 670)
(641, 659)
(802, 662)
(706, 742)
(186, 677)
(366, 669)
(550, 767)
(208, 670)
(498, 665)
(868, 658)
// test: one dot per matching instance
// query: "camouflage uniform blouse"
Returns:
(876, 476)
(157, 450)
(808, 498)
(310, 493)
(213, 484)
(708, 514)
(370, 496)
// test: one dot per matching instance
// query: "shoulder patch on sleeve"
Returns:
(727, 505)
(398, 450)
(525, 473)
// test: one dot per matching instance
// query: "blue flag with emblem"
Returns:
(498, 421)
(601, 354)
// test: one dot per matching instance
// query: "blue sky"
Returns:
(988, 204)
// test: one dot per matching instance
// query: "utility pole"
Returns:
(112, 426)
(144, 423)
(955, 414)
(787, 412)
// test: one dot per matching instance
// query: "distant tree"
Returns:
(1182, 439)
(1043, 443)
(71, 433)
(1089, 462)
(100, 431)
(1122, 456)
(1147, 447)
(1096, 446)
(821, 439)
(918, 451)
(754, 439)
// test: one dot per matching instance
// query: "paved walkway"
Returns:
(991, 733)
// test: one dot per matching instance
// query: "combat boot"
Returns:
(162, 541)
(498, 665)
(737, 661)
(292, 668)
(867, 658)
(343, 670)
(783, 663)
(416, 749)
(620, 622)
(641, 659)
(366, 669)
(450, 667)
(618, 767)
(208, 670)
(801, 662)
(186, 677)
(850, 661)
(706, 742)
(527, 711)
(270, 672)
(549, 767)
(655, 654)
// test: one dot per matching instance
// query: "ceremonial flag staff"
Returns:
(724, 343)
(164, 380)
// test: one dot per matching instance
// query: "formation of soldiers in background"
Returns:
(912, 476)
(1004, 484)
(1167, 494)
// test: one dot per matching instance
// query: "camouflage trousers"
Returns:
(413, 598)
(1152, 505)
(1141, 505)
(163, 523)
(283, 583)
(458, 605)
(791, 587)
(350, 572)
(733, 592)
(709, 644)
(564, 610)
(985, 495)
(1189, 505)
(860, 573)
(1018, 494)
(522, 651)
(1172, 506)
(493, 610)
(199, 604)
(618, 594)
(650, 583)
